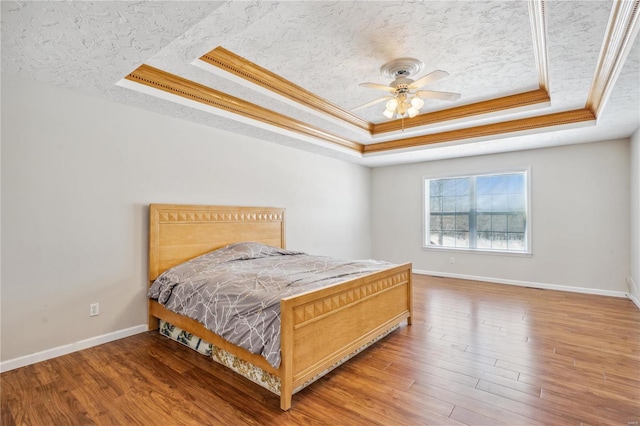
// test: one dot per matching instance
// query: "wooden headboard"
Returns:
(178, 233)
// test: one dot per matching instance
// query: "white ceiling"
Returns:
(328, 48)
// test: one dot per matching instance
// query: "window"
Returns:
(482, 212)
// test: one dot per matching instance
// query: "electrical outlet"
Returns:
(94, 309)
(452, 260)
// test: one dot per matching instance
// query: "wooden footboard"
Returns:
(322, 327)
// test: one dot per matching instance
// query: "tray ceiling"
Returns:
(531, 74)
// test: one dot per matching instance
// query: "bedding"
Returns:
(235, 291)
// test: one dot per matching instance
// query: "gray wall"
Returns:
(77, 175)
(580, 218)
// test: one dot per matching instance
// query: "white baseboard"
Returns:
(631, 285)
(22, 361)
(634, 299)
(529, 284)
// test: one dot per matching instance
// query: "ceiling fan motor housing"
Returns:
(400, 70)
(402, 67)
(401, 84)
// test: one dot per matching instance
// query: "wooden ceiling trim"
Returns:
(539, 34)
(493, 105)
(170, 83)
(548, 120)
(620, 34)
(239, 66)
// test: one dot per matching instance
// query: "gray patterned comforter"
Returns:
(235, 291)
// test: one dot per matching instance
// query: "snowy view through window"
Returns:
(483, 212)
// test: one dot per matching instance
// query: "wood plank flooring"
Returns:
(476, 354)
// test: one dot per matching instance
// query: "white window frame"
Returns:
(426, 212)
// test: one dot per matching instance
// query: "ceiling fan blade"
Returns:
(368, 104)
(445, 96)
(378, 86)
(432, 76)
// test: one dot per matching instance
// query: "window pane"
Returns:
(494, 184)
(484, 240)
(499, 241)
(463, 186)
(516, 202)
(435, 204)
(449, 222)
(516, 241)
(462, 239)
(449, 204)
(448, 239)
(516, 223)
(462, 204)
(499, 203)
(499, 183)
(435, 222)
(499, 223)
(483, 222)
(435, 188)
(448, 187)
(515, 184)
(483, 203)
(484, 185)
(435, 238)
(462, 222)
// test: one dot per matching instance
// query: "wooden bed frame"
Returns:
(318, 328)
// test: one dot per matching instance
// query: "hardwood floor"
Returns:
(476, 354)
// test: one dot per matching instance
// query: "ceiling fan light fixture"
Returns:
(402, 108)
(399, 106)
(417, 102)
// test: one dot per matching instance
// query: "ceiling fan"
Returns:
(405, 99)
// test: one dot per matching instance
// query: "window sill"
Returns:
(479, 251)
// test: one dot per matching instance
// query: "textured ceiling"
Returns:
(328, 48)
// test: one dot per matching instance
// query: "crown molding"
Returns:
(241, 67)
(538, 21)
(176, 85)
(523, 124)
(621, 31)
(179, 86)
(484, 107)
